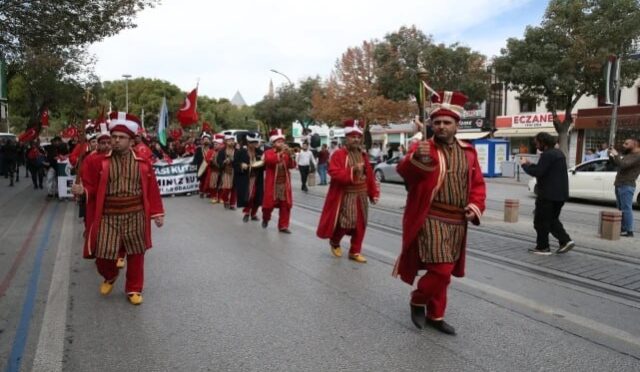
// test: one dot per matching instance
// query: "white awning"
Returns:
(471, 135)
(523, 132)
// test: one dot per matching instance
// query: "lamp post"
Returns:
(280, 73)
(126, 91)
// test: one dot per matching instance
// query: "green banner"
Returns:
(3, 80)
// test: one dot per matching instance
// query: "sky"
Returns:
(231, 46)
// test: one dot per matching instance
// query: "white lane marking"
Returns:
(50, 349)
(555, 313)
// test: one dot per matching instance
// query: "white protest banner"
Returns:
(177, 177)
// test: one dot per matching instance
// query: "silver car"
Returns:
(386, 171)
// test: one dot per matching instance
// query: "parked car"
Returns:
(592, 180)
(386, 171)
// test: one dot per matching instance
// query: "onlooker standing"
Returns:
(591, 155)
(552, 184)
(323, 162)
(305, 160)
(625, 182)
(604, 151)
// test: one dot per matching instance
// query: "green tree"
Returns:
(62, 23)
(288, 105)
(454, 67)
(562, 60)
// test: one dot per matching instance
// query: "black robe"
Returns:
(241, 179)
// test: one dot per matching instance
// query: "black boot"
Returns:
(441, 326)
(418, 315)
(245, 218)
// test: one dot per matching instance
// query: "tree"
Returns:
(62, 23)
(452, 67)
(562, 60)
(352, 92)
(288, 105)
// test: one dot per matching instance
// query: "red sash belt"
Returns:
(122, 204)
(356, 189)
(447, 213)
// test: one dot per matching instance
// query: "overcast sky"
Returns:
(232, 45)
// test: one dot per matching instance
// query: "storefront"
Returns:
(593, 126)
(520, 130)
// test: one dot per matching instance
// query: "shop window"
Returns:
(527, 104)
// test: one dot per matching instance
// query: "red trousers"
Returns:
(357, 234)
(253, 210)
(228, 196)
(432, 289)
(135, 272)
(285, 214)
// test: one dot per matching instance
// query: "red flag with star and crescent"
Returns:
(187, 114)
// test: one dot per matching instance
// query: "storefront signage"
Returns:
(533, 120)
(483, 156)
(473, 123)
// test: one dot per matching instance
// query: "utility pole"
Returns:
(616, 97)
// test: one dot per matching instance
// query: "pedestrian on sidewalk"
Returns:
(552, 191)
(353, 186)
(249, 168)
(446, 192)
(625, 183)
(127, 198)
(323, 163)
(305, 162)
(277, 181)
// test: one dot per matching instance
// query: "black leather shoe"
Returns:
(245, 218)
(418, 315)
(441, 326)
(265, 224)
(254, 218)
(285, 231)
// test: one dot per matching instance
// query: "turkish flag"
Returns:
(187, 114)
(44, 118)
(28, 135)
(206, 127)
(70, 132)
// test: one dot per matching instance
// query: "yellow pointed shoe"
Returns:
(120, 263)
(357, 257)
(336, 251)
(214, 201)
(135, 298)
(106, 288)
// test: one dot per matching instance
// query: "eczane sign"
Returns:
(533, 120)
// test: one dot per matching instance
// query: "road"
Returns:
(222, 295)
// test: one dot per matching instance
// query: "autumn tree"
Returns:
(562, 60)
(352, 92)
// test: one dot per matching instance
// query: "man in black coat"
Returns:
(552, 185)
(249, 174)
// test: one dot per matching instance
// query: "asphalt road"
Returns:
(222, 295)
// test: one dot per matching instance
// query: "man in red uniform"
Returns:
(352, 187)
(224, 159)
(127, 198)
(446, 191)
(277, 182)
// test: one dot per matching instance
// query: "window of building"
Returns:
(527, 104)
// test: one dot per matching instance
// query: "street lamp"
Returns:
(280, 73)
(126, 91)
